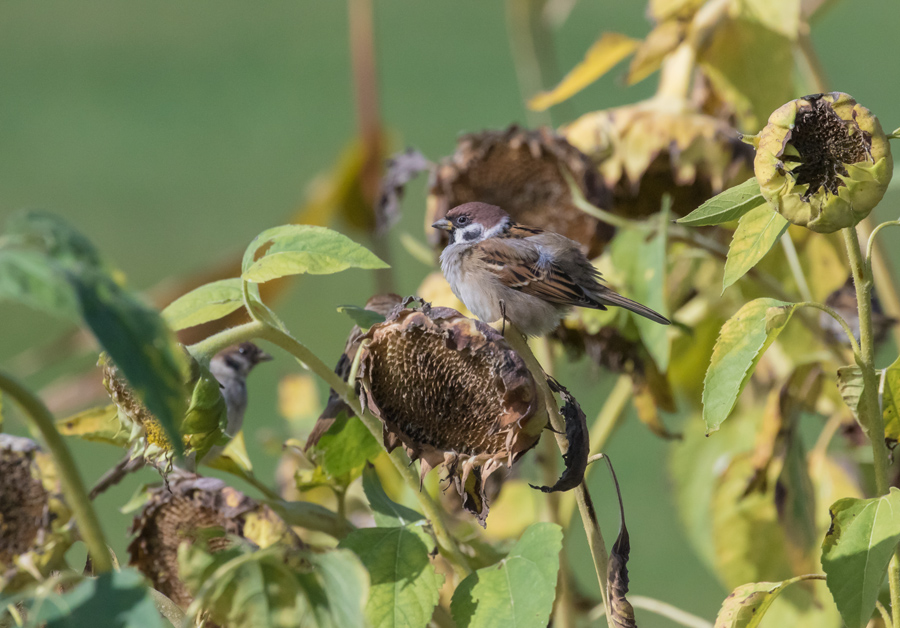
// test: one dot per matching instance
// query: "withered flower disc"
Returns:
(449, 389)
(522, 171)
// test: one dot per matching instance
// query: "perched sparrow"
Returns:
(384, 304)
(230, 368)
(530, 277)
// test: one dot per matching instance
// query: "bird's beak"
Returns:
(444, 224)
(262, 356)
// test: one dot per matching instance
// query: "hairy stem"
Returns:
(870, 412)
(259, 329)
(72, 485)
(585, 506)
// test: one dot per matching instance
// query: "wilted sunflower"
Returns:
(190, 508)
(521, 171)
(823, 161)
(35, 525)
(644, 151)
(450, 391)
(203, 424)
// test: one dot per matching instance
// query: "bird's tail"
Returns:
(609, 297)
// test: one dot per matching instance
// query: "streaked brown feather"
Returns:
(519, 269)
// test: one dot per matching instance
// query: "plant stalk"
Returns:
(870, 415)
(585, 506)
(73, 488)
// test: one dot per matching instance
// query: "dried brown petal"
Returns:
(450, 390)
(522, 172)
(645, 152)
(184, 511)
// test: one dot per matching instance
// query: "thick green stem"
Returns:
(870, 412)
(72, 486)
(870, 416)
(258, 329)
(585, 506)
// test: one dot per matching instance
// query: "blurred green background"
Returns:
(172, 133)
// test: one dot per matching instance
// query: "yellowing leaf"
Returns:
(100, 425)
(747, 604)
(606, 52)
(891, 402)
(742, 341)
(758, 230)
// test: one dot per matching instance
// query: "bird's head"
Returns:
(239, 359)
(473, 222)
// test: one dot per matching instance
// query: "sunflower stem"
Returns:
(73, 487)
(582, 497)
(870, 413)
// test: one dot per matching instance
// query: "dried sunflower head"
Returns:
(190, 508)
(203, 425)
(523, 172)
(451, 391)
(645, 151)
(823, 161)
(35, 525)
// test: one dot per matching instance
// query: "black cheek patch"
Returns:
(468, 236)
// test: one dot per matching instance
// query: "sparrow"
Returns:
(523, 275)
(230, 367)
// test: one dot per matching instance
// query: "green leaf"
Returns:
(296, 249)
(405, 587)
(891, 402)
(727, 206)
(117, 599)
(748, 603)
(857, 550)
(517, 591)
(361, 316)
(346, 447)
(29, 278)
(207, 414)
(757, 232)
(209, 302)
(387, 512)
(54, 237)
(278, 587)
(138, 341)
(648, 287)
(742, 341)
(311, 516)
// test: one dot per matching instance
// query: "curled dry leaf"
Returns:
(190, 508)
(401, 169)
(620, 610)
(525, 173)
(645, 152)
(451, 391)
(576, 455)
(35, 529)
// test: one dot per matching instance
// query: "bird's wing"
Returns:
(521, 267)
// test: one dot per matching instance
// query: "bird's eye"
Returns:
(462, 220)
